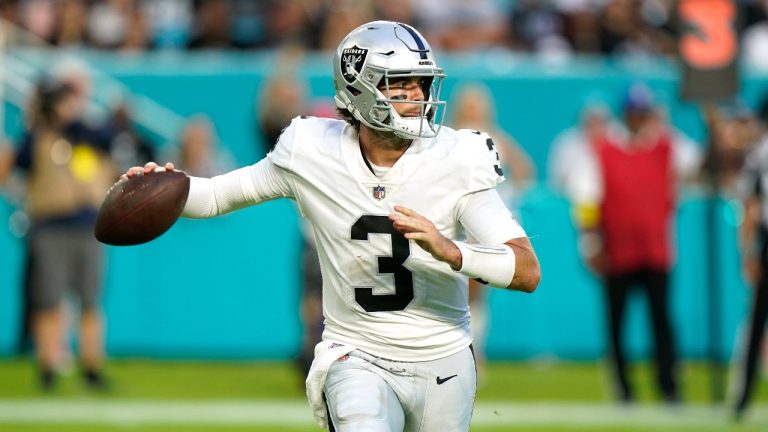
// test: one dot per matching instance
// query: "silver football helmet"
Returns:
(367, 60)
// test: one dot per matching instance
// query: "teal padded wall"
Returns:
(229, 287)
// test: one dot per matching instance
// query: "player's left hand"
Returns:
(420, 229)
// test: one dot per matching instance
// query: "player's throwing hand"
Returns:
(146, 169)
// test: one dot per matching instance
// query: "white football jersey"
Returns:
(382, 292)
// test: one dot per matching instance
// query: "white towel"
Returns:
(326, 352)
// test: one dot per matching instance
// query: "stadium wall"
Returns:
(229, 287)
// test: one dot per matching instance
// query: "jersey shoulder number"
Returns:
(477, 151)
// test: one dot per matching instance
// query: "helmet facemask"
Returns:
(424, 123)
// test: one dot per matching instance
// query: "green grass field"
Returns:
(164, 396)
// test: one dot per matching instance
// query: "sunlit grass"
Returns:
(523, 382)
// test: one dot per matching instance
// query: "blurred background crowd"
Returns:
(551, 28)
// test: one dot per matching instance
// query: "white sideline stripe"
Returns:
(297, 412)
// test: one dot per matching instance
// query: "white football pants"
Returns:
(371, 394)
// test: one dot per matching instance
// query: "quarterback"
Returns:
(404, 211)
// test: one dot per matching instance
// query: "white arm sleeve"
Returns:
(209, 197)
(486, 220)
(488, 224)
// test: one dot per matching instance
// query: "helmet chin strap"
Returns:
(409, 133)
(412, 127)
(416, 127)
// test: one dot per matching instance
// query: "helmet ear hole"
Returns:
(380, 115)
(354, 91)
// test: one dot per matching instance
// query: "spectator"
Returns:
(213, 25)
(754, 38)
(343, 17)
(77, 75)
(753, 236)
(538, 27)
(39, 17)
(636, 28)
(281, 98)
(734, 131)
(570, 153)
(129, 148)
(249, 22)
(199, 152)
(170, 22)
(138, 35)
(9, 11)
(396, 10)
(462, 25)
(582, 27)
(627, 238)
(67, 171)
(71, 25)
(475, 110)
(553, 29)
(108, 23)
(297, 23)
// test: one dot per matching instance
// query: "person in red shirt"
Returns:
(627, 227)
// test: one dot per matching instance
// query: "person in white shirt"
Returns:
(403, 217)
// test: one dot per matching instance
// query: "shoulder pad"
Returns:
(301, 132)
(282, 154)
(480, 158)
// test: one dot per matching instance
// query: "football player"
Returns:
(403, 212)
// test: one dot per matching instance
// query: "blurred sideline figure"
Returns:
(734, 131)
(404, 211)
(128, 147)
(199, 152)
(753, 242)
(626, 209)
(68, 171)
(571, 149)
(474, 109)
(281, 98)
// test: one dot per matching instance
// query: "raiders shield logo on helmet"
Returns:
(352, 60)
(379, 192)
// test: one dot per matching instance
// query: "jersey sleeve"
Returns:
(486, 220)
(480, 160)
(283, 153)
(263, 181)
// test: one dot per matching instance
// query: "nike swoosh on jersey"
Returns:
(442, 380)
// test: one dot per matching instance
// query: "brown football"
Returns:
(141, 208)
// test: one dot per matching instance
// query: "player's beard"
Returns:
(390, 140)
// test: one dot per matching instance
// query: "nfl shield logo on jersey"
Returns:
(352, 60)
(379, 192)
